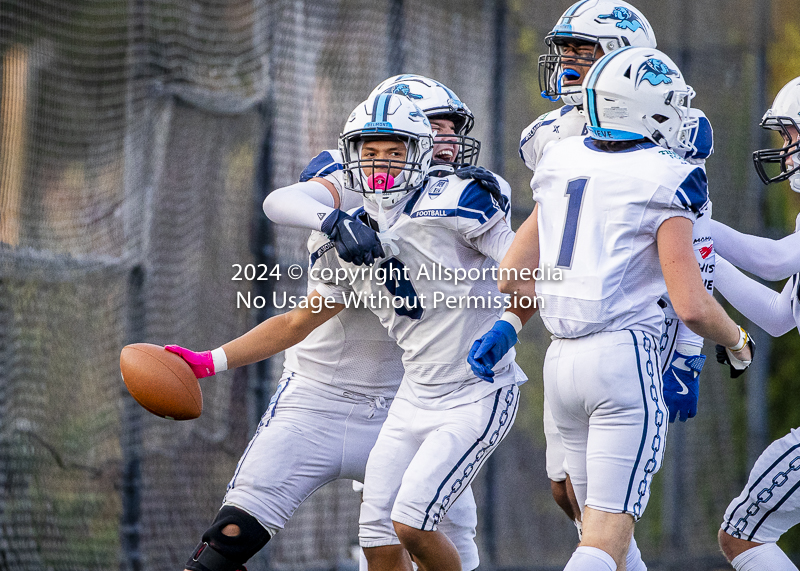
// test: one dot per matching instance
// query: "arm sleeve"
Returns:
(495, 242)
(771, 260)
(302, 205)
(770, 310)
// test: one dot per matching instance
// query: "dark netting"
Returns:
(137, 139)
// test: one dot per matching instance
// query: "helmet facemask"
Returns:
(788, 129)
(454, 150)
(381, 180)
(678, 133)
(556, 66)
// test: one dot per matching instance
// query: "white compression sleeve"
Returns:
(495, 242)
(771, 260)
(770, 310)
(302, 205)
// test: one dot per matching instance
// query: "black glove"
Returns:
(487, 181)
(724, 359)
(355, 242)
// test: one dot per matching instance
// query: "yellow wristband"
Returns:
(743, 339)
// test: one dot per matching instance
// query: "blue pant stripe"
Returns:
(468, 452)
(644, 429)
(265, 418)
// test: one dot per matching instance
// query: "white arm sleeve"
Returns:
(770, 310)
(771, 260)
(302, 205)
(495, 242)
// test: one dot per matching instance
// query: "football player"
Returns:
(769, 504)
(333, 397)
(614, 212)
(386, 147)
(320, 201)
(586, 31)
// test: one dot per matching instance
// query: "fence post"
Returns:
(396, 25)
(131, 434)
(497, 144)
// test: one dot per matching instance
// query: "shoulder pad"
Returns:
(325, 163)
(487, 182)
(462, 205)
(692, 193)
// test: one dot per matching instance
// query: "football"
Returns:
(161, 381)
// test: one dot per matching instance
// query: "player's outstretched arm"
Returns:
(314, 204)
(302, 205)
(522, 254)
(770, 310)
(771, 260)
(274, 335)
(280, 332)
(698, 310)
(487, 351)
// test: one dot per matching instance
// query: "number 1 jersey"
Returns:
(599, 213)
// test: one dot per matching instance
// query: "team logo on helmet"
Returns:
(404, 89)
(626, 19)
(418, 116)
(655, 72)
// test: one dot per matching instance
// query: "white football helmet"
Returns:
(437, 101)
(386, 116)
(636, 93)
(608, 24)
(784, 117)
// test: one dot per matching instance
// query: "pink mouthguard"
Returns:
(380, 181)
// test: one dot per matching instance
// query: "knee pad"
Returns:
(219, 551)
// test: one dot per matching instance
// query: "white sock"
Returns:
(362, 561)
(767, 557)
(590, 559)
(633, 560)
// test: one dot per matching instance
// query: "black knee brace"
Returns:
(220, 552)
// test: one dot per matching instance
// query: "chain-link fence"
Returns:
(138, 140)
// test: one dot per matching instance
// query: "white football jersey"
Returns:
(445, 293)
(568, 121)
(598, 217)
(352, 350)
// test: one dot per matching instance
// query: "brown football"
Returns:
(161, 381)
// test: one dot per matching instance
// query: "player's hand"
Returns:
(487, 351)
(202, 364)
(487, 181)
(738, 361)
(355, 242)
(682, 385)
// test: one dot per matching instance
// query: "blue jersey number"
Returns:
(399, 285)
(575, 192)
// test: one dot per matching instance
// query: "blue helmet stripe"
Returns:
(380, 111)
(591, 104)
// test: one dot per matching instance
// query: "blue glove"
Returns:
(355, 242)
(487, 351)
(487, 181)
(682, 385)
